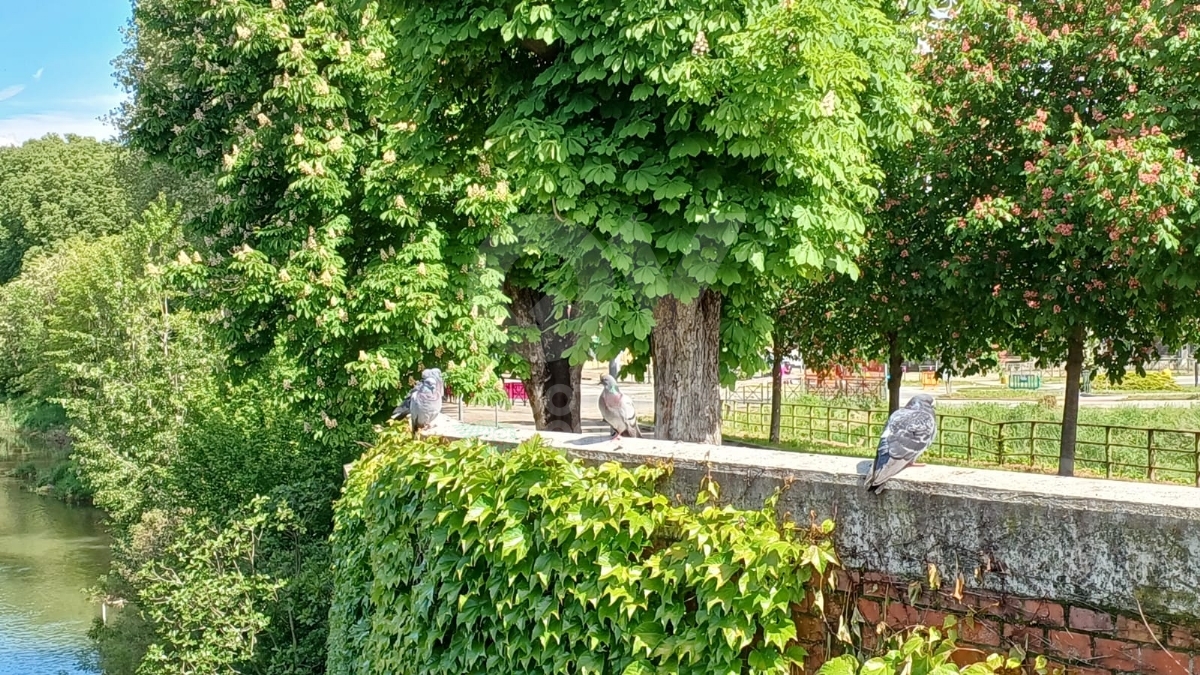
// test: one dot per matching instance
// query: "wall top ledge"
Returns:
(1178, 501)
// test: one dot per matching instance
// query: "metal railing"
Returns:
(1112, 451)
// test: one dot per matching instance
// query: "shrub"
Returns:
(453, 558)
(1161, 380)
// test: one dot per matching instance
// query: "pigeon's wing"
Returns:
(629, 416)
(403, 408)
(907, 434)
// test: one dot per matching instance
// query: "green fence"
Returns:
(1170, 455)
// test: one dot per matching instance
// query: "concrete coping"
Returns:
(1177, 501)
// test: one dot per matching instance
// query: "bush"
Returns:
(1161, 380)
(454, 558)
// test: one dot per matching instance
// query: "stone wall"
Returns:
(1100, 576)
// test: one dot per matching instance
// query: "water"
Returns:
(50, 553)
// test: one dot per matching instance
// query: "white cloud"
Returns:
(38, 74)
(20, 128)
(9, 92)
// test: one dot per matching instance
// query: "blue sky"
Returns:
(56, 66)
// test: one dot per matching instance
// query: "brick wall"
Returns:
(1080, 640)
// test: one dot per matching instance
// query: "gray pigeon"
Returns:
(909, 432)
(424, 403)
(617, 409)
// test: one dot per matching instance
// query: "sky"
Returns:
(56, 66)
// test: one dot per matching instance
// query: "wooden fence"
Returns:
(1171, 455)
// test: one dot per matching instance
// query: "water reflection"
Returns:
(49, 554)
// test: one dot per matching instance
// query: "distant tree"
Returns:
(1068, 135)
(899, 305)
(55, 188)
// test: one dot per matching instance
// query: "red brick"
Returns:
(1031, 638)
(876, 577)
(1116, 654)
(816, 657)
(1043, 613)
(1087, 671)
(843, 580)
(931, 617)
(1160, 662)
(965, 656)
(900, 615)
(1184, 638)
(1135, 629)
(809, 628)
(979, 631)
(870, 612)
(1093, 622)
(1071, 645)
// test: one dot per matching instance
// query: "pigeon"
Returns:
(436, 373)
(909, 432)
(617, 409)
(424, 403)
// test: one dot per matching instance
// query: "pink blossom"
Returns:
(1057, 309)
(1029, 167)
(904, 253)
(1047, 193)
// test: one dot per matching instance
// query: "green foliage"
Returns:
(338, 266)
(454, 558)
(206, 593)
(55, 188)
(1161, 380)
(711, 146)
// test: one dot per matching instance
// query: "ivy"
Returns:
(929, 651)
(458, 558)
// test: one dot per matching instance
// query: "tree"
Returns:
(687, 154)
(54, 188)
(1078, 209)
(342, 255)
(900, 304)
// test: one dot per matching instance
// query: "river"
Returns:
(50, 553)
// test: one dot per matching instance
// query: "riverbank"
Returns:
(36, 444)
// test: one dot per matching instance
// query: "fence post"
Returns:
(1032, 442)
(1196, 453)
(1107, 451)
(1150, 454)
(970, 435)
(1000, 444)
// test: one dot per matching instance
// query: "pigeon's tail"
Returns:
(400, 412)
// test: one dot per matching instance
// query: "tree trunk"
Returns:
(560, 396)
(776, 388)
(553, 385)
(686, 348)
(895, 371)
(1070, 419)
